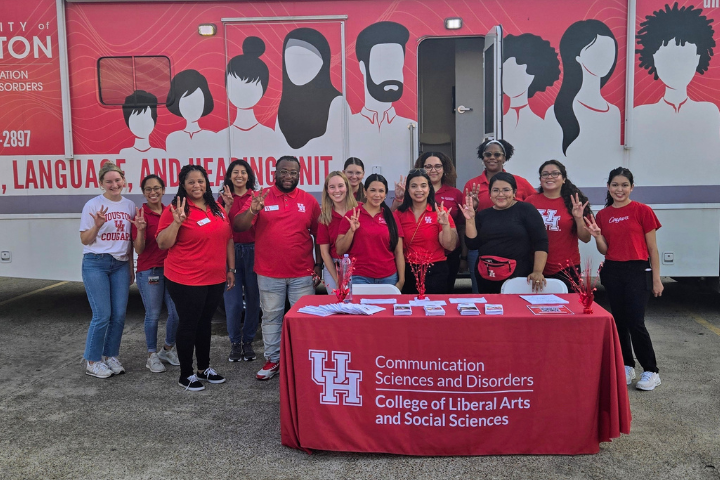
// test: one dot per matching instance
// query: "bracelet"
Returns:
(320, 264)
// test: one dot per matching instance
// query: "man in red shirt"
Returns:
(286, 222)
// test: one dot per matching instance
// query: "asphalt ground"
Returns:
(56, 422)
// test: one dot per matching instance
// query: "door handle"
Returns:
(462, 109)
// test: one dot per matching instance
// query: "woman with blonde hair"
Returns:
(337, 200)
(107, 269)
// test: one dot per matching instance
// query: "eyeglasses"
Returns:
(493, 154)
(497, 191)
(437, 167)
(289, 173)
(152, 189)
(554, 174)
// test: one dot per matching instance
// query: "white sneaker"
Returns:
(648, 381)
(114, 364)
(169, 356)
(154, 364)
(629, 374)
(98, 369)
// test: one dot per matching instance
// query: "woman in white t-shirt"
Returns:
(107, 269)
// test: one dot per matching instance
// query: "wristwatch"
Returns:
(232, 270)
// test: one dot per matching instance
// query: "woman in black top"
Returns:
(510, 229)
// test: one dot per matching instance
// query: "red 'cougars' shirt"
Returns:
(370, 248)
(199, 256)
(151, 256)
(283, 245)
(422, 237)
(524, 189)
(240, 204)
(563, 248)
(624, 230)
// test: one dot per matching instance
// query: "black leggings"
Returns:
(628, 286)
(195, 306)
(453, 263)
(435, 279)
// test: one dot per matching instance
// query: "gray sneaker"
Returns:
(154, 364)
(114, 364)
(169, 356)
(236, 352)
(248, 352)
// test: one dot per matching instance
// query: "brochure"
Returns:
(544, 299)
(433, 310)
(400, 309)
(468, 300)
(342, 308)
(468, 309)
(550, 310)
(378, 301)
(493, 309)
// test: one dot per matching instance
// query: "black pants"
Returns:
(628, 286)
(435, 279)
(453, 264)
(562, 275)
(195, 307)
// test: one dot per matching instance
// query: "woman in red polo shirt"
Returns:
(373, 239)
(429, 232)
(336, 202)
(236, 197)
(494, 154)
(563, 207)
(199, 263)
(150, 277)
(625, 232)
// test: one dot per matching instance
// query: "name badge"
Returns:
(204, 221)
(272, 208)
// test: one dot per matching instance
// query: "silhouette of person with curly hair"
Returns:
(675, 44)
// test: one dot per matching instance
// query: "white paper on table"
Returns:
(543, 299)
(378, 301)
(344, 308)
(422, 303)
(468, 300)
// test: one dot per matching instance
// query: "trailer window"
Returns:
(119, 77)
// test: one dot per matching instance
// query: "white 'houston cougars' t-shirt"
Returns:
(114, 236)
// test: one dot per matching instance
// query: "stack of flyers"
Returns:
(346, 308)
(468, 309)
(433, 310)
(493, 309)
(402, 309)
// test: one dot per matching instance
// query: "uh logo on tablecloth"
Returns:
(337, 382)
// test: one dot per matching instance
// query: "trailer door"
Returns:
(492, 90)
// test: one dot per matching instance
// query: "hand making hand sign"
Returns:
(354, 220)
(99, 217)
(179, 215)
(258, 202)
(139, 220)
(227, 196)
(578, 208)
(468, 210)
(442, 214)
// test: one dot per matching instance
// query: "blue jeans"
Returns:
(359, 280)
(472, 261)
(153, 295)
(245, 282)
(272, 300)
(107, 284)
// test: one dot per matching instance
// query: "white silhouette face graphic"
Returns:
(676, 64)
(192, 105)
(141, 124)
(515, 79)
(243, 94)
(598, 57)
(386, 63)
(302, 62)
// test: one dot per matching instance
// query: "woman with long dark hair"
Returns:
(236, 197)
(373, 239)
(588, 124)
(310, 105)
(150, 276)
(429, 232)
(625, 232)
(199, 265)
(441, 171)
(336, 201)
(563, 207)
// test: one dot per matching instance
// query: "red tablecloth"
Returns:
(485, 385)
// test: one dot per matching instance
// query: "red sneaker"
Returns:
(268, 371)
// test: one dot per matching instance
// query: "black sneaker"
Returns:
(191, 383)
(248, 352)
(211, 376)
(236, 353)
